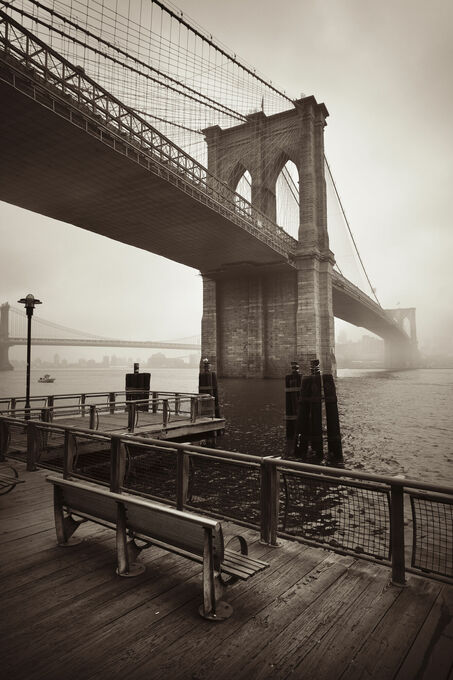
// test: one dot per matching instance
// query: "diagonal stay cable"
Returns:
(349, 229)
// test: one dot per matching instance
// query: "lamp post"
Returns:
(29, 301)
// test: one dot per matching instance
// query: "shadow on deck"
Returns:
(311, 614)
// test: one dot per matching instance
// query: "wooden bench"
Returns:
(193, 536)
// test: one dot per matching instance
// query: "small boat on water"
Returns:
(46, 379)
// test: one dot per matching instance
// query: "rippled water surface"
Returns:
(392, 423)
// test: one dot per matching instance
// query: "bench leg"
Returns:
(212, 608)
(126, 551)
(65, 525)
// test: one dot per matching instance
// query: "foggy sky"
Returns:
(384, 71)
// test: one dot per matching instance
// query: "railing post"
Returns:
(70, 450)
(177, 403)
(165, 412)
(397, 534)
(117, 464)
(32, 446)
(46, 417)
(92, 425)
(264, 502)
(155, 401)
(112, 397)
(193, 409)
(4, 436)
(130, 416)
(274, 500)
(182, 478)
(83, 398)
(12, 406)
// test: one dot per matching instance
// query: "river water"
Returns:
(391, 422)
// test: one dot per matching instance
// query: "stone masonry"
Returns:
(256, 320)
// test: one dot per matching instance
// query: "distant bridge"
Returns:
(74, 150)
(13, 332)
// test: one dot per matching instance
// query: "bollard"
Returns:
(334, 447)
(308, 430)
(316, 410)
(292, 388)
(207, 384)
(303, 420)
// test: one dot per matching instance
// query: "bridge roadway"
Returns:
(60, 160)
(86, 342)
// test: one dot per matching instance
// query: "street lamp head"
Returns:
(30, 301)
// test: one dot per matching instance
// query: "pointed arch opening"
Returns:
(407, 326)
(244, 189)
(287, 199)
(244, 186)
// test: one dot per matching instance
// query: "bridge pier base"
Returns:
(255, 323)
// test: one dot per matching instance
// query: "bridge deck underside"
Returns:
(51, 167)
(349, 309)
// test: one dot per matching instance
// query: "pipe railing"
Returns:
(128, 466)
(172, 405)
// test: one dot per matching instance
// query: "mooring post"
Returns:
(334, 447)
(303, 421)
(292, 388)
(207, 384)
(130, 416)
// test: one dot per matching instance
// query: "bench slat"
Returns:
(245, 558)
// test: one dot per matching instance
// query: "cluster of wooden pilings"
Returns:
(312, 431)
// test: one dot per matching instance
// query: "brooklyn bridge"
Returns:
(165, 141)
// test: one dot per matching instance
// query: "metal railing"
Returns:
(404, 524)
(161, 409)
(38, 71)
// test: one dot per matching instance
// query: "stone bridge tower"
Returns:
(4, 337)
(401, 353)
(258, 319)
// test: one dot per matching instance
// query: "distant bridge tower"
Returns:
(398, 352)
(4, 337)
(258, 319)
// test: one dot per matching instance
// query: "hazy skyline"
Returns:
(384, 73)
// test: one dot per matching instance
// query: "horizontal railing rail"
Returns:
(403, 523)
(171, 406)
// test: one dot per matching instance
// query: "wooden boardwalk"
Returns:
(178, 427)
(312, 614)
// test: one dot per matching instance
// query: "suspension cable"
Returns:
(349, 230)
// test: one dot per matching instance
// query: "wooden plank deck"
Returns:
(178, 427)
(311, 614)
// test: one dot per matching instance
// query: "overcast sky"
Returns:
(384, 71)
